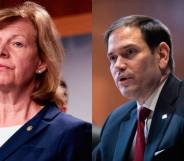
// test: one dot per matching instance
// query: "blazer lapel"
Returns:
(28, 131)
(157, 131)
(162, 116)
(126, 135)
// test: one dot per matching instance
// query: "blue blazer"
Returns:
(50, 136)
(166, 136)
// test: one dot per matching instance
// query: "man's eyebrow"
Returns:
(128, 46)
(123, 48)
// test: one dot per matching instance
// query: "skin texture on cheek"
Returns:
(148, 77)
(145, 76)
(29, 67)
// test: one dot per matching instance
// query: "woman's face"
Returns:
(19, 59)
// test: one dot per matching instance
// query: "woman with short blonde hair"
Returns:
(32, 127)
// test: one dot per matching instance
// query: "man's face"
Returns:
(134, 67)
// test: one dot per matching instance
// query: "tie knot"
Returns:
(144, 113)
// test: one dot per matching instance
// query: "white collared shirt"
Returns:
(7, 132)
(150, 103)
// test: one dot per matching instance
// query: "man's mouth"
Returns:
(124, 80)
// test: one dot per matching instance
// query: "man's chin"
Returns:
(125, 92)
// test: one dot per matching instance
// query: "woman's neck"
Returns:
(16, 108)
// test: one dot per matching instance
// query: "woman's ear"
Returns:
(41, 67)
(163, 53)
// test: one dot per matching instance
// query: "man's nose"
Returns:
(120, 63)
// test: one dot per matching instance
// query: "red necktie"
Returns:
(140, 138)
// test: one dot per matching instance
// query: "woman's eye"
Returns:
(18, 44)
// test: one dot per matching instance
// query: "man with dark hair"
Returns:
(151, 126)
(62, 92)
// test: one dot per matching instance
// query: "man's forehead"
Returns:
(125, 34)
(125, 30)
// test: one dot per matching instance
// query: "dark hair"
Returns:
(65, 87)
(153, 31)
(62, 93)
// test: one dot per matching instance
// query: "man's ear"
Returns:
(163, 55)
(41, 67)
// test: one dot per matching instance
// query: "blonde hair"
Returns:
(49, 47)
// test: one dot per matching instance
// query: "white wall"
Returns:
(78, 75)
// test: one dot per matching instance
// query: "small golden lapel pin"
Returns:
(29, 128)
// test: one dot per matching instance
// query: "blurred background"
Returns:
(73, 19)
(105, 95)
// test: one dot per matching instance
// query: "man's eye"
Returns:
(112, 58)
(18, 44)
(130, 52)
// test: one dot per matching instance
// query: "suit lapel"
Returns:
(126, 135)
(157, 131)
(28, 131)
(162, 116)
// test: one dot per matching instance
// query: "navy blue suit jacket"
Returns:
(50, 136)
(166, 136)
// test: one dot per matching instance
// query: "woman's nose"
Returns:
(3, 51)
